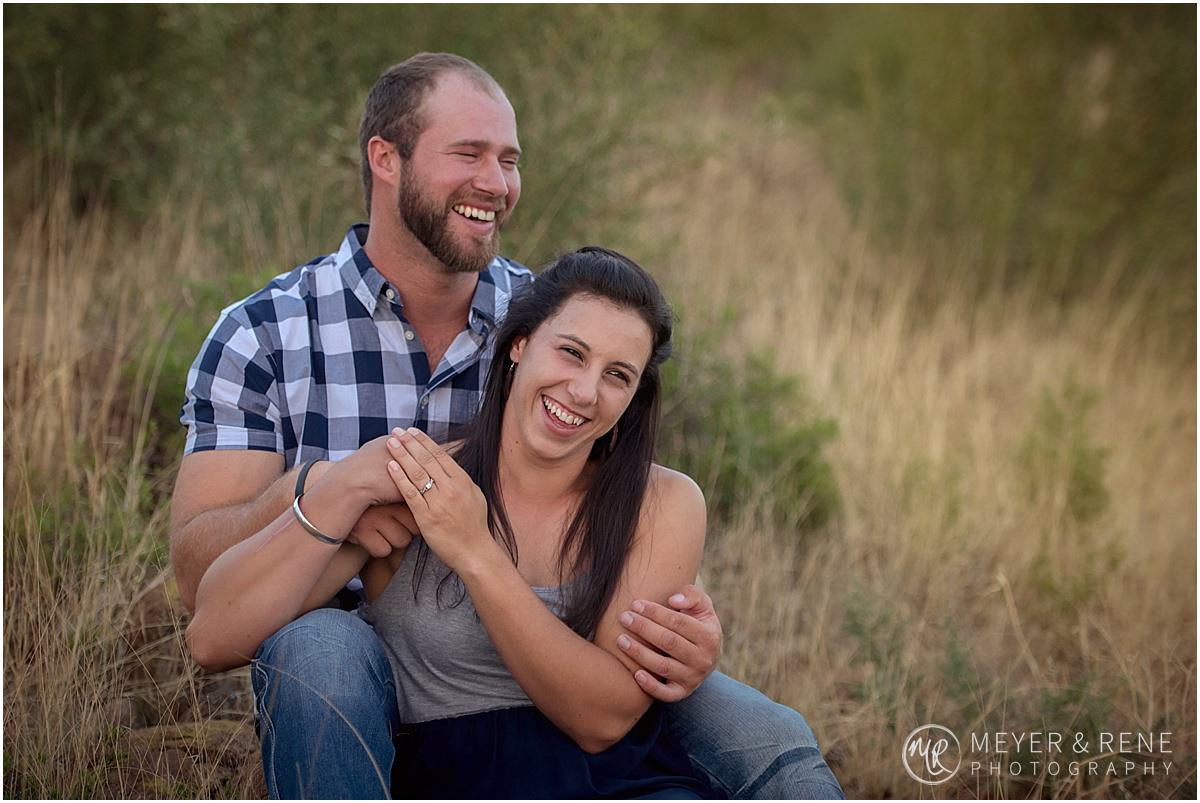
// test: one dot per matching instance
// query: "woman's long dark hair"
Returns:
(601, 532)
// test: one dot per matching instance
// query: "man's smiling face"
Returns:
(462, 182)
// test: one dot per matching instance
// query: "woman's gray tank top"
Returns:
(443, 660)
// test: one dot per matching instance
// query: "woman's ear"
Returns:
(518, 347)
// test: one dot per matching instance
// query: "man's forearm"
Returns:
(198, 542)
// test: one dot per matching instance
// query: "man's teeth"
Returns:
(479, 214)
(561, 414)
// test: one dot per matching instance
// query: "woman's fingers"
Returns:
(417, 474)
(443, 460)
(408, 489)
(424, 451)
(411, 493)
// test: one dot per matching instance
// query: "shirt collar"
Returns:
(483, 303)
(366, 282)
(356, 270)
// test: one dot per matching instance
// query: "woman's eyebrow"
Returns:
(588, 349)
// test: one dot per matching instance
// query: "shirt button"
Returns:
(408, 334)
(425, 401)
(390, 293)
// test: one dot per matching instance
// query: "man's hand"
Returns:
(384, 528)
(686, 639)
(364, 473)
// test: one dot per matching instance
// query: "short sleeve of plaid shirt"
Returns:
(229, 403)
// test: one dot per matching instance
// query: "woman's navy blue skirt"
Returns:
(519, 753)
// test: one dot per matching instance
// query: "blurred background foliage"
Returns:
(262, 103)
(1008, 140)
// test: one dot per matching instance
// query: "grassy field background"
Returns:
(936, 277)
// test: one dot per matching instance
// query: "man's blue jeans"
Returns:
(326, 707)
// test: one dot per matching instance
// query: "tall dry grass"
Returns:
(950, 588)
(92, 639)
(1016, 548)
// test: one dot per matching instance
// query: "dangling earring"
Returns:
(512, 371)
(612, 439)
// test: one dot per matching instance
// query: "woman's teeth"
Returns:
(470, 211)
(561, 414)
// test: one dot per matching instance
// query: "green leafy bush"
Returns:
(1063, 471)
(258, 106)
(746, 434)
(1058, 453)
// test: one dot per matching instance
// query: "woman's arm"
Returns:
(280, 572)
(585, 689)
(588, 689)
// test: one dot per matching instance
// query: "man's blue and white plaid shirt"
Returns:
(322, 360)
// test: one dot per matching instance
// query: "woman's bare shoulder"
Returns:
(677, 499)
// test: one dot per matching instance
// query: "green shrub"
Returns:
(878, 629)
(1063, 472)
(1058, 450)
(258, 107)
(749, 436)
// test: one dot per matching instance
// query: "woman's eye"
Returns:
(572, 352)
(619, 375)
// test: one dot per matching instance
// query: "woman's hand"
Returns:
(450, 510)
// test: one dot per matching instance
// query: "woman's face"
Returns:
(575, 376)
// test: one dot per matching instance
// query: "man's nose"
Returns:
(490, 179)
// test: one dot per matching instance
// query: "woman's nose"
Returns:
(583, 389)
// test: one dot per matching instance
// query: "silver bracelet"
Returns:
(308, 525)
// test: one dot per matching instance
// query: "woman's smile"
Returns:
(561, 420)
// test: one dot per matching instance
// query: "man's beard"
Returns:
(431, 226)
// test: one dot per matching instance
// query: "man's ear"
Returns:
(384, 160)
(518, 347)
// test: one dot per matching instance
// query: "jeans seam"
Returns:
(381, 775)
(268, 733)
(713, 778)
